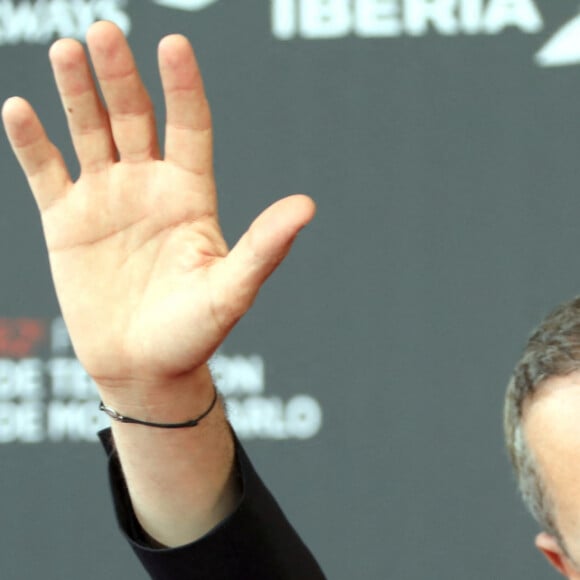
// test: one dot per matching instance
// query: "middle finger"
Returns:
(130, 109)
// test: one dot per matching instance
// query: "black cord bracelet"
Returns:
(192, 423)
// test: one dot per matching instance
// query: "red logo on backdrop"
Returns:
(20, 337)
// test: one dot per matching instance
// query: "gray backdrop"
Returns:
(440, 140)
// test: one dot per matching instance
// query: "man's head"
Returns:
(542, 428)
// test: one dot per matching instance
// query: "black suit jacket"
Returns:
(256, 542)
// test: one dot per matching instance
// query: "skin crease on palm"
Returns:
(552, 431)
(145, 281)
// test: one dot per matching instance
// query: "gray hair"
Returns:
(552, 350)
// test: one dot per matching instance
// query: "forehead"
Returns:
(552, 429)
(555, 407)
(552, 419)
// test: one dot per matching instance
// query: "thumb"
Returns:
(261, 249)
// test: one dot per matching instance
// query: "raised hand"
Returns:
(145, 281)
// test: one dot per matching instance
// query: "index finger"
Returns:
(188, 136)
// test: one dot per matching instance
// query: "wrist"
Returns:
(161, 399)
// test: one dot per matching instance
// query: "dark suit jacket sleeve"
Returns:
(255, 542)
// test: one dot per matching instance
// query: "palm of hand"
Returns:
(144, 278)
(147, 252)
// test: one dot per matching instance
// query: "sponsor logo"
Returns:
(185, 4)
(326, 19)
(43, 21)
(563, 48)
(253, 413)
(318, 19)
(46, 395)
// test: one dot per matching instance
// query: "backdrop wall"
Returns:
(440, 140)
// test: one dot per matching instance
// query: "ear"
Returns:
(549, 546)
